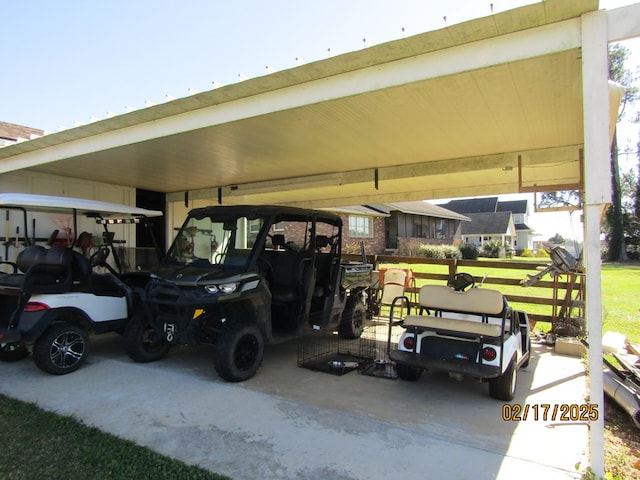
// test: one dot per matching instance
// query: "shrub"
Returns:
(633, 252)
(431, 251)
(492, 249)
(414, 248)
(526, 253)
(451, 251)
(469, 251)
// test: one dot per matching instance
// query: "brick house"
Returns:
(392, 227)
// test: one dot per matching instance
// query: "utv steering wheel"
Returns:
(99, 257)
(461, 281)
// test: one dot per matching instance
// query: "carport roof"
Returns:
(489, 106)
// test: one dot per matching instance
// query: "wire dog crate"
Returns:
(326, 351)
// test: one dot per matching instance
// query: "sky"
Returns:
(70, 62)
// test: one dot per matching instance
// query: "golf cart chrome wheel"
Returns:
(61, 349)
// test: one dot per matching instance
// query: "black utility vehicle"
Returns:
(241, 277)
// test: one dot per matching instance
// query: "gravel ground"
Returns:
(622, 443)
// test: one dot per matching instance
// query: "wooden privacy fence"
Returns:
(554, 298)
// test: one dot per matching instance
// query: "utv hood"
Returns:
(193, 276)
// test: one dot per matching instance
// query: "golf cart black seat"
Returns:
(28, 257)
(44, 271)
(81, 268)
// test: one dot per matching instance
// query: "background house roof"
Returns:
(363, 210)
(472, 205)
(487, 205)
(488, 224)
(12, 132)
(522, 227)
(517, 207)
(489, 213)
(426, 209)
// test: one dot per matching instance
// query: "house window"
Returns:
(440, 228)
(255, 225)
(417, 227)
(361, 227)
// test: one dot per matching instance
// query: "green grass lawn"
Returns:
(620, 291)
(621, 300)
(43, 445)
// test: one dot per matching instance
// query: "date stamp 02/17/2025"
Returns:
(550, 412)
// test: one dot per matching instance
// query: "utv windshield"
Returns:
(226, 241)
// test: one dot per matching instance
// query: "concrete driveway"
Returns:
(293, 423)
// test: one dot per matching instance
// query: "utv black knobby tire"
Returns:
(239, 351)
(408, 373)
(13, 352)
(504, 386)
(61, 349)
(353, 319)
(140, 341)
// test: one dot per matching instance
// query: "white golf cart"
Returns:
(56, 290)
(466, 331)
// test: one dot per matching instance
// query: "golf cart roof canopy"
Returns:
(47, 203)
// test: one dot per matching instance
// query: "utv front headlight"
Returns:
(227, 287)
(223, 288)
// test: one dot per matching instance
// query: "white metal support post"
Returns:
(597, 195)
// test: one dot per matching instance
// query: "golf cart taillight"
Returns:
(489, 354)
(36, 307)
(409, 343)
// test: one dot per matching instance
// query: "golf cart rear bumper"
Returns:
(464, 367)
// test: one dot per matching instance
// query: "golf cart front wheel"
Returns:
(61, 349)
